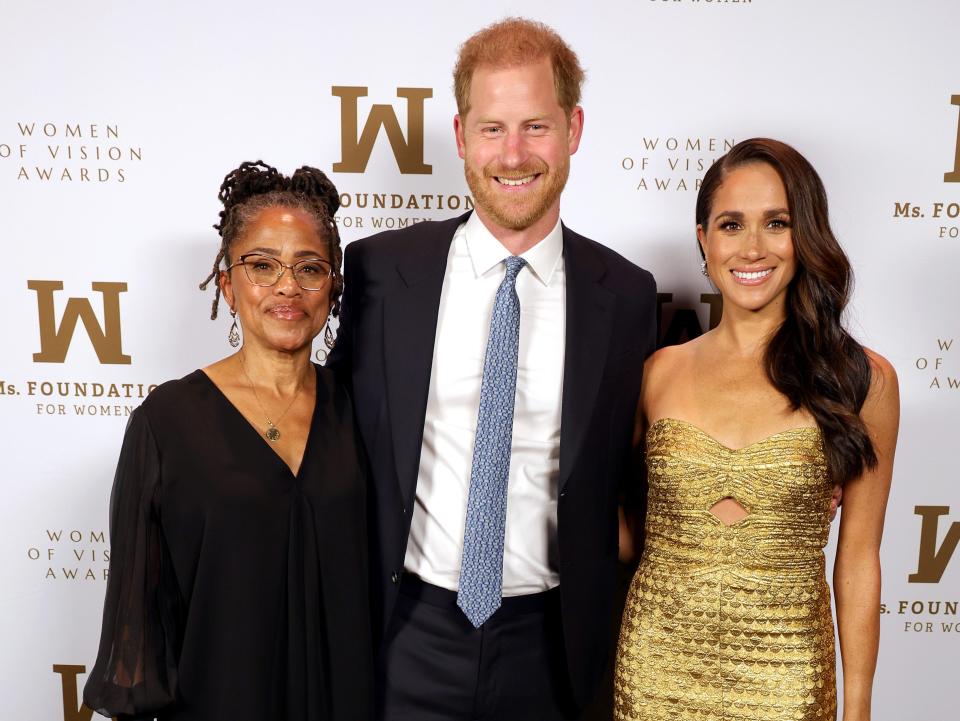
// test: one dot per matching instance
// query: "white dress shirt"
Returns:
(474, 272)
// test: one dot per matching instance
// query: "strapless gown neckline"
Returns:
(788, 432)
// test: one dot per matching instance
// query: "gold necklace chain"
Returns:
(272, 433)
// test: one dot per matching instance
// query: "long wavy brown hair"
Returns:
(811, 358)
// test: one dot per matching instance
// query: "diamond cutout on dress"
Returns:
(729, 511)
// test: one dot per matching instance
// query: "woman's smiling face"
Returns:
(747, 240)
(282, 316)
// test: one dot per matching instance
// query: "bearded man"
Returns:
(495, 361)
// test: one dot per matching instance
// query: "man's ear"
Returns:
(574, 129)
(458, 133)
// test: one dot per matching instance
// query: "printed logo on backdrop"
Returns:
(939, 216)
(63, 555)
(941, 367)
(55, 342)
(47, 153)
(377, 131)
(954, 175)
(934, 558)
(356, 149)
(672, 164)
(70, 684)
(62, 393)
(678, 322)
(937, 543)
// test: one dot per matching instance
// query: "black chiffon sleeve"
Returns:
(135, 674)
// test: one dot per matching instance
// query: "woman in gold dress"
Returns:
(746, 429)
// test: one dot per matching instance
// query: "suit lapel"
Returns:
(410, 329)
(590, 313)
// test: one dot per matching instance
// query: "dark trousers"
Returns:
(435, 666)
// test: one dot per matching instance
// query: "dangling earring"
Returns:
(703, 268)
(234, 335)
(328, 340)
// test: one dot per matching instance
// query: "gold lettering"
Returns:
(54, 342)
(954, 175)
(355, 148)
(73, 710)
(933, 561)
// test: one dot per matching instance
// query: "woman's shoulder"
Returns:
(884, 393)
(881, 369)
(176, 394)
(669, 359)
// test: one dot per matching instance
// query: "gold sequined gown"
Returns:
(730, 623)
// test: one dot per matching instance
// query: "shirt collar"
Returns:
(486, 251)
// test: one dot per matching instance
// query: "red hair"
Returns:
(514, 42)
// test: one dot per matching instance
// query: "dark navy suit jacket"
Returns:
(384, 352)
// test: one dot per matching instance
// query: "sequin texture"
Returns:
(730, 623)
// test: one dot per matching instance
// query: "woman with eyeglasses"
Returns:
(238, 581)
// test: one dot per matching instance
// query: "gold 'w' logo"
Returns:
(954, 175)
(933, 561)
(355, 147)
(54, 342)
(73, 710)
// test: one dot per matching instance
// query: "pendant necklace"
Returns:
(272, 433)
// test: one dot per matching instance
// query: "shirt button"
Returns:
(395, 577)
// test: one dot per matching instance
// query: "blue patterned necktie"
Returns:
(481, 566)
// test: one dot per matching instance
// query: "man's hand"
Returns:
(836, 501)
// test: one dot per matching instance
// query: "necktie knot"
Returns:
(514, 265)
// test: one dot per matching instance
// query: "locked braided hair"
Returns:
(255, 186)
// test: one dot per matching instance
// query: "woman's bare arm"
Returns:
(856, 576)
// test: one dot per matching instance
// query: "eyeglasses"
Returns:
(263, 270)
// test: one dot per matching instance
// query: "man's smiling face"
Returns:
(516, 143)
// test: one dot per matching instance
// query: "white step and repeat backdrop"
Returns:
(118, 121)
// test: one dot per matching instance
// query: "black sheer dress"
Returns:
(237, 591)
